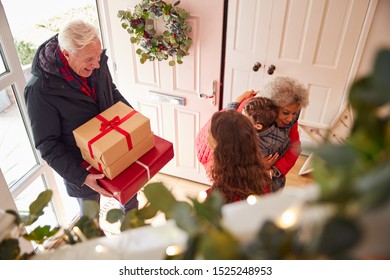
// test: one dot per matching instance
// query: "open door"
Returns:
(172, 96)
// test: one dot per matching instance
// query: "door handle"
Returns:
(271, 69)
(257, 66)
(213, 95)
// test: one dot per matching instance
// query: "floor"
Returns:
(182, 188)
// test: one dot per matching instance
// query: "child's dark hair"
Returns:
(262, 110)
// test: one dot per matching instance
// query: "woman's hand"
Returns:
(91, 182)
(245, 95)
(270, 160)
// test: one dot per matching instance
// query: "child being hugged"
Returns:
(273, 141)
(279, 142)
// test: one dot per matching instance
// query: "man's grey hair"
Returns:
(76, 35)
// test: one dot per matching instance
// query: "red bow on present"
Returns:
(114, 122)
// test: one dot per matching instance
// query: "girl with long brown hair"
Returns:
(237, 169)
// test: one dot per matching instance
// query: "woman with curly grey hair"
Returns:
(291, 97)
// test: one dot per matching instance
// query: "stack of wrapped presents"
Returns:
(120, 144)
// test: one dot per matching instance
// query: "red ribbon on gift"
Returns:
(114, 122)
(108, 125)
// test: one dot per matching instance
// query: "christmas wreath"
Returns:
(141, 24)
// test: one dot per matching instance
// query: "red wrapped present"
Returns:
(115, 168)
(132, 179)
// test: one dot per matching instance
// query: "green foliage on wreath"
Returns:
(173, 42)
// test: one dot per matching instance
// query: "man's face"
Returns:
(84, 61)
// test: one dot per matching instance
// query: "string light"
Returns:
(288, 218)
(202, 196)
(99, 248)
(251, 200)
(173, 250)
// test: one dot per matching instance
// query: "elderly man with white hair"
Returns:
(71, 84)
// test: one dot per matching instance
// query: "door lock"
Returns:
(257, 66)
(271, 69)
(213, 95)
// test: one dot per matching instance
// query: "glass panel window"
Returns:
(31, 23)
(71, 205)
(41, 19)
(3, 68)
(16, 155)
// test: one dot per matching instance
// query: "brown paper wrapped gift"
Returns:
(111, 135)
(115, 168)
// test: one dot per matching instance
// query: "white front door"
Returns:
(199, 74)
(317, 42)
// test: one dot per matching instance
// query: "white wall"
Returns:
(378, 37)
